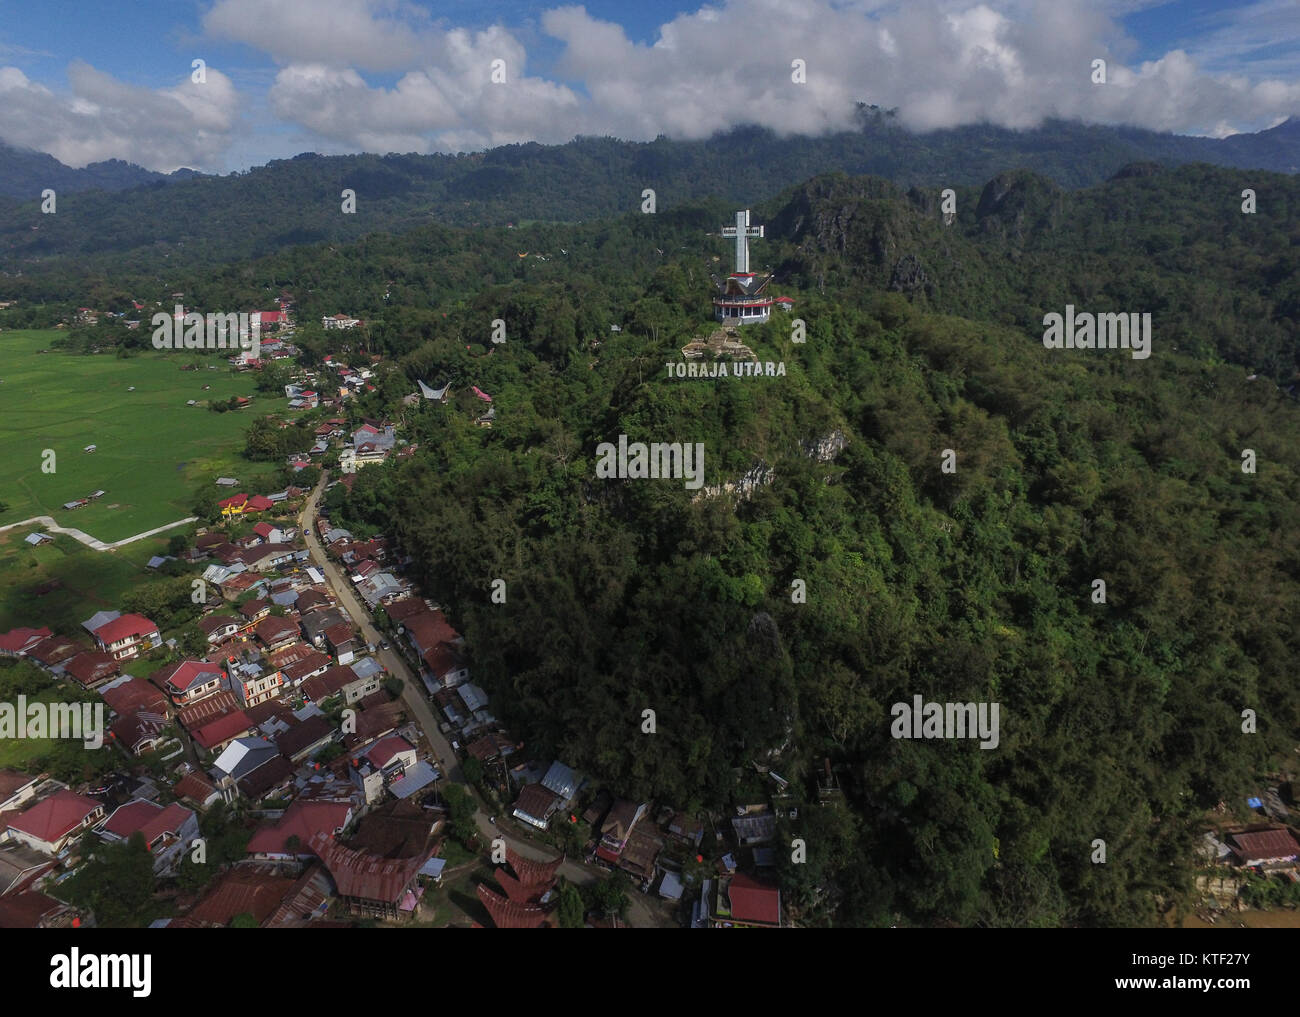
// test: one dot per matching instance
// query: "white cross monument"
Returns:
(742, 231)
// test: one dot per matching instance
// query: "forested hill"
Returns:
(204, 219)
(24, 174)
(1220, 284)
(1120, 721)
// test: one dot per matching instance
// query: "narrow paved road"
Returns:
(91, 542)
(413, 696)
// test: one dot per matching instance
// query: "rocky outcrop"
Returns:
(825, 449)
(822, 449)
(909, 275)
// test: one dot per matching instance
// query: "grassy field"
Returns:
(83, 581)
(153, 451)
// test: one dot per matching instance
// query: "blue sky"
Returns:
(86, 80)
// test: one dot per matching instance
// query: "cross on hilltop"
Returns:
(742, 231)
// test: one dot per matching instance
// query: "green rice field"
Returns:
(153, 451)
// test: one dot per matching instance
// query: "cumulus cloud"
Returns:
(188, 124)
(384, 75)
(371, 34)
(941, 63)
(452, 101)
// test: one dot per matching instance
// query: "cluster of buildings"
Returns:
(78, 503)
(624, 834)
(372, 442)
(285, 711)
(1269, 847)
(651, 848)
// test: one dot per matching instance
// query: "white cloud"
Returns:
(188, 124)
(452, 101)
(371, 34)
(942, 63)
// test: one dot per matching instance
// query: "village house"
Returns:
(188, 681)
(339, 321)
(315, 624)
(369, 884)
(20, 868)
(313, 664)
(619, 824)
(53, 652)
(239, 763)
(535, 806)
(51, 823)
(127, 636)
(167, 830)
(17, 642)
(425, 630)
(92, 669)
(138, 733)
(339, 641)
(253, 611)
(384, 762)
(261, 892)
(1272, 847)
(686, 829)
(342, 680)
(745, 902)
(276, 633)
(252, 684)
(128, 695)
(219, 627)
(274, 534)
(195, 787)
(289, 838)
(33, 910)
(16, 789)
(444, 668)
(215, 722)
(305, 738)
(312, 599)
